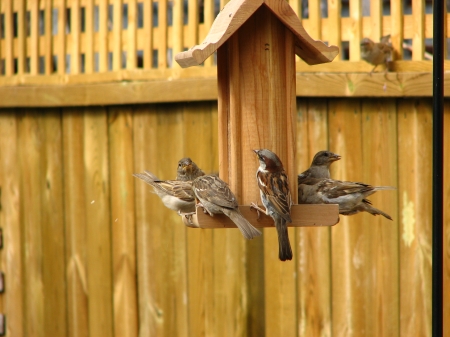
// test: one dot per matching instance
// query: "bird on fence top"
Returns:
(377, 53)
(216, 198)
(320, 166)
(276, 197)
(188, 170)
(176, 194)
(350, 196)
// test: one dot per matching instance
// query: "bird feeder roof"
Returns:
(233, 16)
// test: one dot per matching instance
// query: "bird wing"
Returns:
(176, 188)
(214, 190)
(277, 192)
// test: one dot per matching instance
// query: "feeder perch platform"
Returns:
(302, 216)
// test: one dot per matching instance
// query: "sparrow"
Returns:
(350, 196)
(376, 53)
(216, 198)
(176, 195)
(320, 166)
(276, 197)
(188, 170)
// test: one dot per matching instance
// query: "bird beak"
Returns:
(187, 167)
(256, 151)
(335, 157)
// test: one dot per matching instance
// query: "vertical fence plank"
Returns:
(131, 36)
(355, 29)
(31, 138)
(55, 320)
(98, 223)
(34, 34)
(123, 222)
(117, 35)
(418, 41)
(397, 28)
(209, 19)
(9, 50)
(315, 19)
(178, 29)
(76, 223)
(414, 158)
(162, 34)
(348, 240)
(48, 38)
(161, 235)
(60, 39)
(103, 23)
(193, 23)
(376, 18)
(75, 52)
(21, 59)
(148, 36)
(379, 157)
(313, 254)
(10, 222)
(89, 34)
(334, 20)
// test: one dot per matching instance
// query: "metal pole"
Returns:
(438, 168)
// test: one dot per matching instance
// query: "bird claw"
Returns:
(257, 208)
(188, 217)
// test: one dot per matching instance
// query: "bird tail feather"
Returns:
(246, 228)
(285, 251)
(375, 211)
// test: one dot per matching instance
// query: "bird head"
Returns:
(325, 158)
(268, 160)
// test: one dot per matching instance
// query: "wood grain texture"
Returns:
(236, 13)
(313, 267)
(302, 216)
(76, 223)
(348, 240)
(123, 222)
(98, 216)
(10, 222)
(161, 239)
(414, 156)
(381, 258)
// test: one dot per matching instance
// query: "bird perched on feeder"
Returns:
(320, 166)
(188, 170)
(350, 196)
(276, 197)
(176, 194)
(216, 198)
(376, 53)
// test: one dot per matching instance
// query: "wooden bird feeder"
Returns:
(256, 43)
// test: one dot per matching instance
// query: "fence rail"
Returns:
(73, 41)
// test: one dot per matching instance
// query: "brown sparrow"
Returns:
(175, 194)
(276, 197)
(188, 170)
(376, 53)
(320, 166)
(350, 196)
(216, 198)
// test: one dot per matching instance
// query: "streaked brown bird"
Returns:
(377, 53)
(188, 170)
(350, 196)
(320, 166)
(276, 197)
(216, 198)
(175, 194)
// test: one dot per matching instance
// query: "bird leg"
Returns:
(188, 217)
(258, 209)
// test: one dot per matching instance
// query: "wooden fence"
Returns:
(63, 45)
(89, 251)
